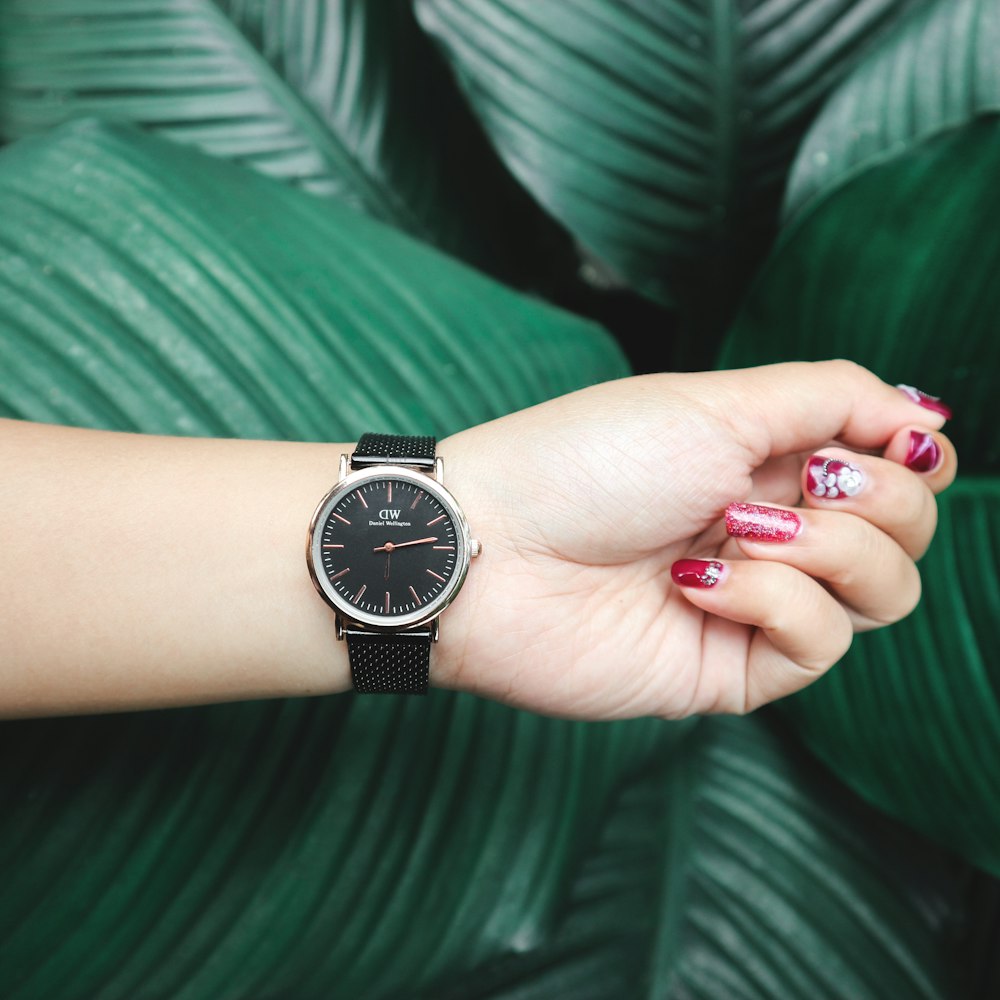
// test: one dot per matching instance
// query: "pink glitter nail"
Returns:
(762, 524)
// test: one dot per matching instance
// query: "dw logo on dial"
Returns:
(389, 515)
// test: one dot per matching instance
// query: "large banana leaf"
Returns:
(912, 717)
(659, 134)
(937, 70)
(896, 268)
(294, 848)
(136, 296)
(737, 868)
(940, 261)
(345, 98)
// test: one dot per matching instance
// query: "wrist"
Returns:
(472, 474)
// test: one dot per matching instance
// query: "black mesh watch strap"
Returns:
(391, 662)
(397, 663)
(394, 449)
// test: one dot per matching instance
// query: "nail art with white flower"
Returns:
(831, 478)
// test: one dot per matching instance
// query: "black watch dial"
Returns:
(389, 548)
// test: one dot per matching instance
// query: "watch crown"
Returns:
(475, 548)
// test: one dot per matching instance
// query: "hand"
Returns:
(585, 503)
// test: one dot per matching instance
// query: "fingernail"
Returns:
(925, 453)
(697, 572)
(761, 524)
(934, 403)
(830, 478)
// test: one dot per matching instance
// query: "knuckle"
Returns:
(916, 506)
(910, 593)
(905, 597)
(843, 640)
(837, 638)
(848, 369)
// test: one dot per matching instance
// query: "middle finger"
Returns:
(865, 568)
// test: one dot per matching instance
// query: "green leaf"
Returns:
(739, 868)
(925, 313)
(911, 717)
(896, 268)
(937, 70)
(345, 99)
(278, 848)
(299, 848)
(659, 134)
(135, 297)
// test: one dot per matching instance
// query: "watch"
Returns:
(389, 549)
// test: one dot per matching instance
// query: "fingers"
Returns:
(883, 492)
(861, 565)
(797, 406)
(928, 453)
(802, 629)
(811, 576)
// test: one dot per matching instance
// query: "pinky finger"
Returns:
(798, 630)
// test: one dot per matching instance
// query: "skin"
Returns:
(143, 571)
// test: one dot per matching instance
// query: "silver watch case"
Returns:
(348, 613)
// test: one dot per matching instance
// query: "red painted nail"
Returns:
(831, 479)
(697, 572)
(761, 524)
(925, 454)
(934, 403)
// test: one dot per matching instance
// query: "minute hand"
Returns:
(392, 546)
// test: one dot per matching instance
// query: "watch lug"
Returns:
(340, 628)
(435, 630)
(345, 467)
(439, 469)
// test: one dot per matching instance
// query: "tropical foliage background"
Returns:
(215, 218)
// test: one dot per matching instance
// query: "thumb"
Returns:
(798, 406)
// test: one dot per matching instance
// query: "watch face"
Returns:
(388, 549)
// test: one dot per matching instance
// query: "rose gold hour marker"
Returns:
(332, 546)
(390, 491)
(339, 518)
(387, 602)
(361, 498)
(435, 521)
(444, 548)
(417, 599)
(357, 596)
(415, 502)
(436, 577)
(337, 576)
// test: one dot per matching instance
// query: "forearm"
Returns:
(141, 571)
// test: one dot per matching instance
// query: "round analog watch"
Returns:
(388, 550)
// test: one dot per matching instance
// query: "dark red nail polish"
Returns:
(924, 454)
(831, 479)
(934, 403)
(697, 572)
(761, 524)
